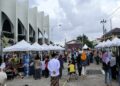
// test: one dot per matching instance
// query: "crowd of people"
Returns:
(35, 65)
(108, 59)
(52, 64)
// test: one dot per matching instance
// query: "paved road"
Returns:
(92, 79)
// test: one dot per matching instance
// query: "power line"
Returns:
(111, 15)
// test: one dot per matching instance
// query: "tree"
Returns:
(84, 40)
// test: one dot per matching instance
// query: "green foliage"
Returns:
(84, 40)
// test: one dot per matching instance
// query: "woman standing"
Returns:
(46, 67)
(106, 66)
(37, 64)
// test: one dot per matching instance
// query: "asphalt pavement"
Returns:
(94, 77)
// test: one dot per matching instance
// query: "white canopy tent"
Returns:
(20, 46)
(51, 47)
(98, 45)
(85, 47)
(101, 45)
(107, 43)
(58, 48)
(36, 47)
(8, 49)
(61, 48)
(115, 42)
(25, 46)
(45, 47)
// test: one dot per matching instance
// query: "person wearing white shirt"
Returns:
(53, 67)
(43, 67)
(3, 77)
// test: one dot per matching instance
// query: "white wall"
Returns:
(46, 25)
(33, 21)
(40, 21)
(22, 14)
(14, 10)
(0, 18)
(9, 8)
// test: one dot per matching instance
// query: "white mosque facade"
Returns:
(18, 21)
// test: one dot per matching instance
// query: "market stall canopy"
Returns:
(108, 43)
(8, 49)
(36, 47)
(98, 45)
(51, 47)
(85, 47)
(20, 46)
(102, 44)
(45, 47)
(115, 42)
(58, 48)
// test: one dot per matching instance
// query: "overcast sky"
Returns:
(78, 17)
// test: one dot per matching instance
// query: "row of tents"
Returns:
(25, 46)
(109, 43)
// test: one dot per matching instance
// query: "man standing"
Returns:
(53, 67)
(61, 65)
(79, 63)
(84, 62)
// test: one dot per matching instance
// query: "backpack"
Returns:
(83, 56)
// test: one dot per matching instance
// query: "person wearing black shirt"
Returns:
(79, 64)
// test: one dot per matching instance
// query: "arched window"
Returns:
(7, 26)
(21, 31)
(31, 34)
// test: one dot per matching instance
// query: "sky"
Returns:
(71, 18)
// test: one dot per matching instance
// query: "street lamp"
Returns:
(104, 30)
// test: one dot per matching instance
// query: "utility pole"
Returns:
(111, 24)
(104, 30)
(65, 44)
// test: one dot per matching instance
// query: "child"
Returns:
(71, 70)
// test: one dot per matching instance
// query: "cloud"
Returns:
(78, 17)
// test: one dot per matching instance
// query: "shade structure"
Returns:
(36, 47)
(51, 47)
(98, 45)
(61, 48)
(108, 43)
(45, 47)
(85, 47)
(102, 45)
(8, 49)
(20, 46)
(58, 48)
(115, 42)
